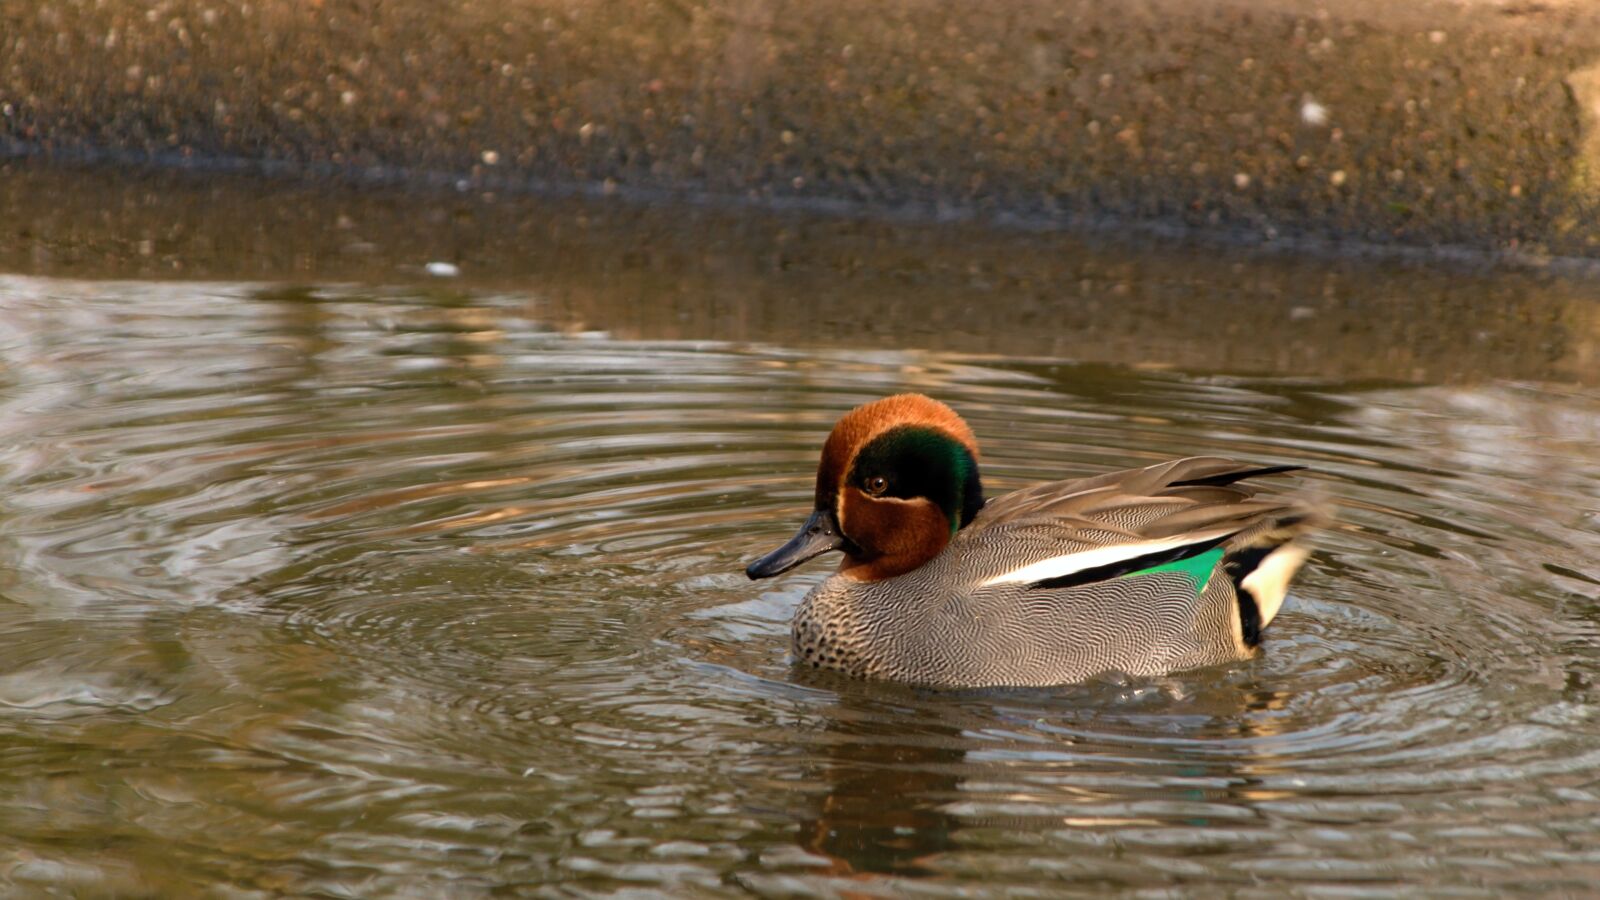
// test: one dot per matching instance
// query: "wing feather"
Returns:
(1062, 529)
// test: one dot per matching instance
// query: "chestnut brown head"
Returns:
(898, 478)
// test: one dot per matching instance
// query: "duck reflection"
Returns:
(884, 810)
(907, 772)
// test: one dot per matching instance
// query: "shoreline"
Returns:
(679, 272)
(1326, 248)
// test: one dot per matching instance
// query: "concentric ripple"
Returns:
(331, 592)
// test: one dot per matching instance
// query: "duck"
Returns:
(1143, 571)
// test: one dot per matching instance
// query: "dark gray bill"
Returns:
(817, 536)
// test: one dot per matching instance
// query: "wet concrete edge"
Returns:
(697, 273)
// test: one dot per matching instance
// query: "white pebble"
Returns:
(1313, 113)
(442, 269)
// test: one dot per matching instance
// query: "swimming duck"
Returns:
(1143, 571)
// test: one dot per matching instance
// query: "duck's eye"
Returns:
(877, 484)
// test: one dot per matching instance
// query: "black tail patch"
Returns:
(1227, 478)
(1129, 566)
(1238, 566)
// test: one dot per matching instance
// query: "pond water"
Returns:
(436, 590)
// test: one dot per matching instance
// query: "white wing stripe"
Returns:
(1058, 566)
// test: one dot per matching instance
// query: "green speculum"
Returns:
(1197, 569)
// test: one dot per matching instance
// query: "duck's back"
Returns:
(1145, 571)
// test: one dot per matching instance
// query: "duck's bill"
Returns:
(817, 536)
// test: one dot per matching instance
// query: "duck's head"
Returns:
(898, 479)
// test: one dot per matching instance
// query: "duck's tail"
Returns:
(1262, 561)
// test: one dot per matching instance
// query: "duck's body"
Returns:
(1142, 571)
(1015, 598)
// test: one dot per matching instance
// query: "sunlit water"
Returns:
(409, 593)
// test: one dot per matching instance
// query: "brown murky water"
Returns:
(435, 589)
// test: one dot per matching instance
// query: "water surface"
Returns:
(422, 591)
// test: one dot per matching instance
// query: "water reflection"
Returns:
(883, 812)
(683, 274)
(906, 775)
(355, 592)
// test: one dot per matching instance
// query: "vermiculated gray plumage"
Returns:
(940, 625)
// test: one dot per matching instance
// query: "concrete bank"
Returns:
(1474, 124)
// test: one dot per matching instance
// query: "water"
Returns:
(436, 589)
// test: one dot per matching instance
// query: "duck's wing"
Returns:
(1073, 532)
